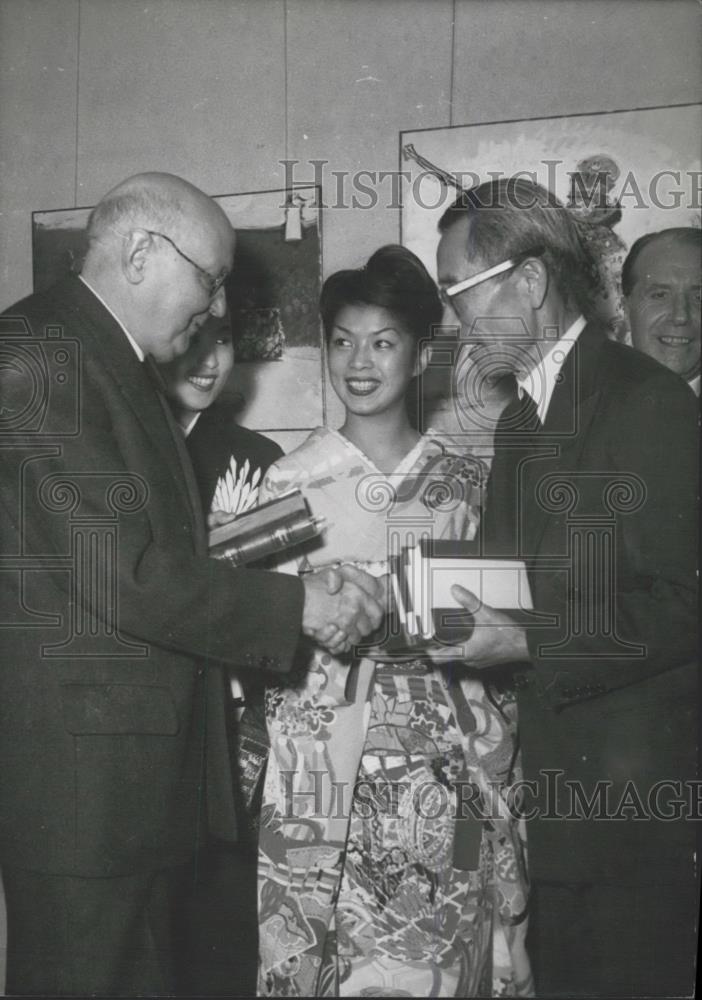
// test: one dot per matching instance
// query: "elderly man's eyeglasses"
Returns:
(450, 291)
(212, 284)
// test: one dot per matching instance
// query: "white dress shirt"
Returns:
(541, 380)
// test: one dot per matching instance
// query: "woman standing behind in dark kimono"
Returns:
(368, 883)
(229, 462)
(216, 442)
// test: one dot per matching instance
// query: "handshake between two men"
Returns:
(343, 605)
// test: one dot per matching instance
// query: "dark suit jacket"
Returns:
(112, 614)
(601, 502)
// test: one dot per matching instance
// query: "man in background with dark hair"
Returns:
(594, 486)
(661, 281)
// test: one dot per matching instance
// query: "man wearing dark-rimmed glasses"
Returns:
(593, 485)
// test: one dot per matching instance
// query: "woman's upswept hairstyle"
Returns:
(394, 279)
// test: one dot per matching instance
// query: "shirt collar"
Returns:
(694, 384)
(137, 350)
(541, 380)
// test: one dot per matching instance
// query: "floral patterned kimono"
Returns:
(368, 883)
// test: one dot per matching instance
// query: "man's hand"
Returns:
(374, 586)
(495, 639)
(342, 606)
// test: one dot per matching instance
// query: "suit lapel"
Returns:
(108, 344)
(574, 403)
(188, 481)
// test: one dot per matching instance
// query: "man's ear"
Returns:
(422, 361)
(536, 280)
(135, 251)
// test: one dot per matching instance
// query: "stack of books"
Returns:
(423, 612)
(269, 528)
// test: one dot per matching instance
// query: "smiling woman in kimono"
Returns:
(368, 883)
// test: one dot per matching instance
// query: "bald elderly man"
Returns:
(115, 622)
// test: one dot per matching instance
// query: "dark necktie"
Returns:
(516, 433)
(521, 416)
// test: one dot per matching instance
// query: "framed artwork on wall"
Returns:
(273, 294)
(621, 173)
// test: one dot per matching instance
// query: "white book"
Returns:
(500, 583)
(427, 612)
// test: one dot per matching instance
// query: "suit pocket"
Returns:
(118, 709)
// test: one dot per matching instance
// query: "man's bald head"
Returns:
(158, 250)
(154, 201)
